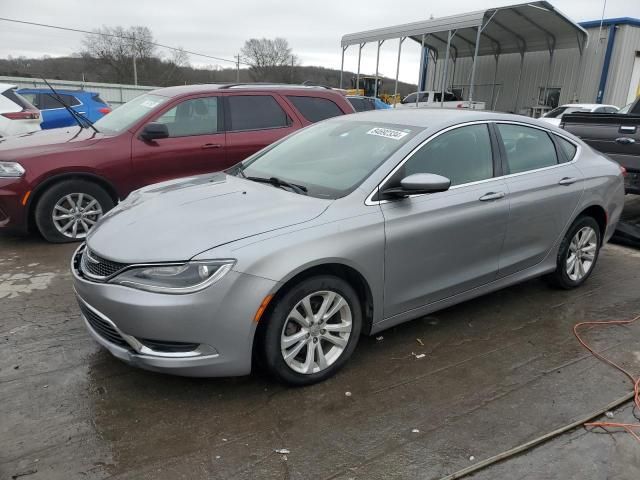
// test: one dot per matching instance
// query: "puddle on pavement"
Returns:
(13, 285)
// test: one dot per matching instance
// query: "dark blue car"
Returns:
(54, 115)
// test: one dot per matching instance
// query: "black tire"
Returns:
(560, 278)
(45, 207)
(271, 353)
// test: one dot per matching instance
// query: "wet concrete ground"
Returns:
(498, 371)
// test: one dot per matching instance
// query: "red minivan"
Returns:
(62, 181)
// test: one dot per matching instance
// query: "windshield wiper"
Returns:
(277, 182)
(77, 116)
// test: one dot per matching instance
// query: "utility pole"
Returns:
(238, 68)
(135, 69)
(292, 67)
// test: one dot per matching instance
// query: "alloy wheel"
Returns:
(581, 253)
(316, 332)
(75, 214)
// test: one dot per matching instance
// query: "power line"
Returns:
(77, 30)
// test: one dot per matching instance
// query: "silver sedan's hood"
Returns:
(176, 220)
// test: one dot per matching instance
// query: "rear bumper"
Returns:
(12, 213)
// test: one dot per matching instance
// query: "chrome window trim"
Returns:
(370, 202)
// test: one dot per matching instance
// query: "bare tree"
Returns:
(270, 60)
(117, 46)
(177, 61)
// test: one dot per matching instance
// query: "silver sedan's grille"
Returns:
(98, 268)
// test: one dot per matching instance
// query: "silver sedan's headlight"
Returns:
(175, 278)
(11, 169)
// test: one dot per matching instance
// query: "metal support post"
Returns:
(375, 88)
(446, 67)
(344, 49)
(473, 67)
(517, 95)
(358, 74)
(395, 90)
(420, 71)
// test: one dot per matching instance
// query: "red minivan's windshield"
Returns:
(129, 113)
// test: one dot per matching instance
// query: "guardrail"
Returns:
(113, 93)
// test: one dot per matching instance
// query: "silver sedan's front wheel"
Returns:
(310, 330)
(581, 253)
(316, 332)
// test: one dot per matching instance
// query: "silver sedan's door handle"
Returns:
(487, 197)
(625, 141)
(567, 181)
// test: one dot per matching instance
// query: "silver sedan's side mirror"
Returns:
(419, 183)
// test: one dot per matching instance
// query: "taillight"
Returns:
(104, 110)
(623, 171)
(23, 115)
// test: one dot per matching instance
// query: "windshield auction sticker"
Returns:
(387, 133)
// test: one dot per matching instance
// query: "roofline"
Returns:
(567, 19)
(611, 21)
(451, 22)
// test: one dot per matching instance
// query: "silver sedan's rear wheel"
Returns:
(311, 330)
(581, 253)
(578, 253)
(316, 332)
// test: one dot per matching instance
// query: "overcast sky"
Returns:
(219, 28)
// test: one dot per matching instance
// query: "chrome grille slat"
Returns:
(97, 267)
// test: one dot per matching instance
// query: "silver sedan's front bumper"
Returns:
(206, 334)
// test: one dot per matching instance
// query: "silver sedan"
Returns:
(347, 227)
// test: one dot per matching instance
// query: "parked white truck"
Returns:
(431, 99)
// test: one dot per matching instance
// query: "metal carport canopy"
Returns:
(526, 27)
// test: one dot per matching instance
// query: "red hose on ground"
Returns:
(628, 427)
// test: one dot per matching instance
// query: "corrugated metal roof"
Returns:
(533, 26)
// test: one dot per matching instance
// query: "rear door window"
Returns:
(358, 104)
(315, 109)
(49, 101)
(255, 112)
(527, 148)
(410, 98)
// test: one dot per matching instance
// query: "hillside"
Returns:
(156, 72)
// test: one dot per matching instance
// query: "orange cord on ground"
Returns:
(628, 427)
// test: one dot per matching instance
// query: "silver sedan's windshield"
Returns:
(329, 159)
(129, 113)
